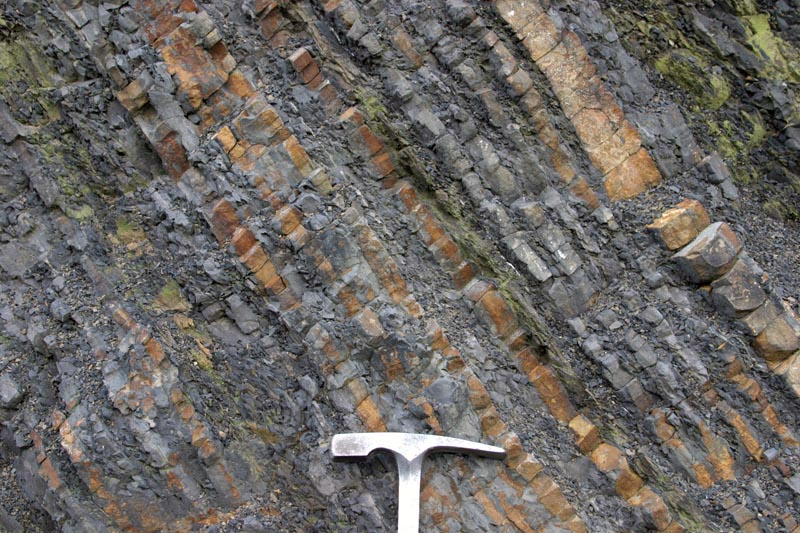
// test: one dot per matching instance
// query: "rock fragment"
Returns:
(780, 338)
(740, 290)
(710, 255)
(679, 225)
(10, 393)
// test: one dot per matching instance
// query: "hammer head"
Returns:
(410, 446)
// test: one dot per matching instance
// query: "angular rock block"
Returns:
(789, 369)
(677, 227)
(585, 432)
(740, 290)
(197, 73)
(300, 59)
(755, 322)
(710, 255)
(780, 338)
(134, 96)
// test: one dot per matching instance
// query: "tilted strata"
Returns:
(429, 229)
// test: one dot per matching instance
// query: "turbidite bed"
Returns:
(230, 230)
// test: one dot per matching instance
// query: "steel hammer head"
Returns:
(409, 451)
(410, 446)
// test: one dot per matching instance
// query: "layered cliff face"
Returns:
(230, 230)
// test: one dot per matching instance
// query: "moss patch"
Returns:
(81, 213)
(202, 360)
(129, 232)
(694, 74)
(781, 59)
(170, 299)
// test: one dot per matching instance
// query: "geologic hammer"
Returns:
(409, 450)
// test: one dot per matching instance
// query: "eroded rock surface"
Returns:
(230, 230)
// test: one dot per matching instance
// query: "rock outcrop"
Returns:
(230, 230)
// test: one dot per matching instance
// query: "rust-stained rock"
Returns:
(518, 14)
(789, 369)
(383, 164)
(586, 435)
(368, 412)
(678, 226)
(780, 338)
(553, 393)
(654, 507)
(224, 220)
(539, 36)
(134, 96)
(301, 277)
(366, 141)
(616, 149)
(173, 155)
(495, 312)
(606, 457)
(198, 75)
(628, 482)
(710, 255)
(631, 178)
(300, 59)
(755, 322)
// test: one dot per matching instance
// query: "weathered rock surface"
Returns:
(741, 289)
(780, 338)
(678, 226)
(231, 230)
(710, 255)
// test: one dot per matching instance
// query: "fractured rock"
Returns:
(740, 290)
(755, 322)
(711, 254)
(677, 227)
(780, 338)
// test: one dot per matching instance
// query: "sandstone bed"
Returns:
(230, 230)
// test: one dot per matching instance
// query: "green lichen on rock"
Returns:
(80, 213)
(782, 60)
(26, 78)
(170, 298)
(129, 231)
(370, 103)
(694, 74)
(735, 139)
(202, 360)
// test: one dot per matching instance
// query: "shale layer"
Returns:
(230, 230)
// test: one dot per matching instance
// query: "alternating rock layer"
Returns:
(232, 231)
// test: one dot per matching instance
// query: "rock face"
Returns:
(780, 338)
(231, 230)
(711, 254)
(740, 290)
(678, 226)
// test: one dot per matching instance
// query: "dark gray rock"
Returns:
(740, 290)
(18, 258)
(10, 393)
(242, 314)
(60, 310)
(710, 255)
